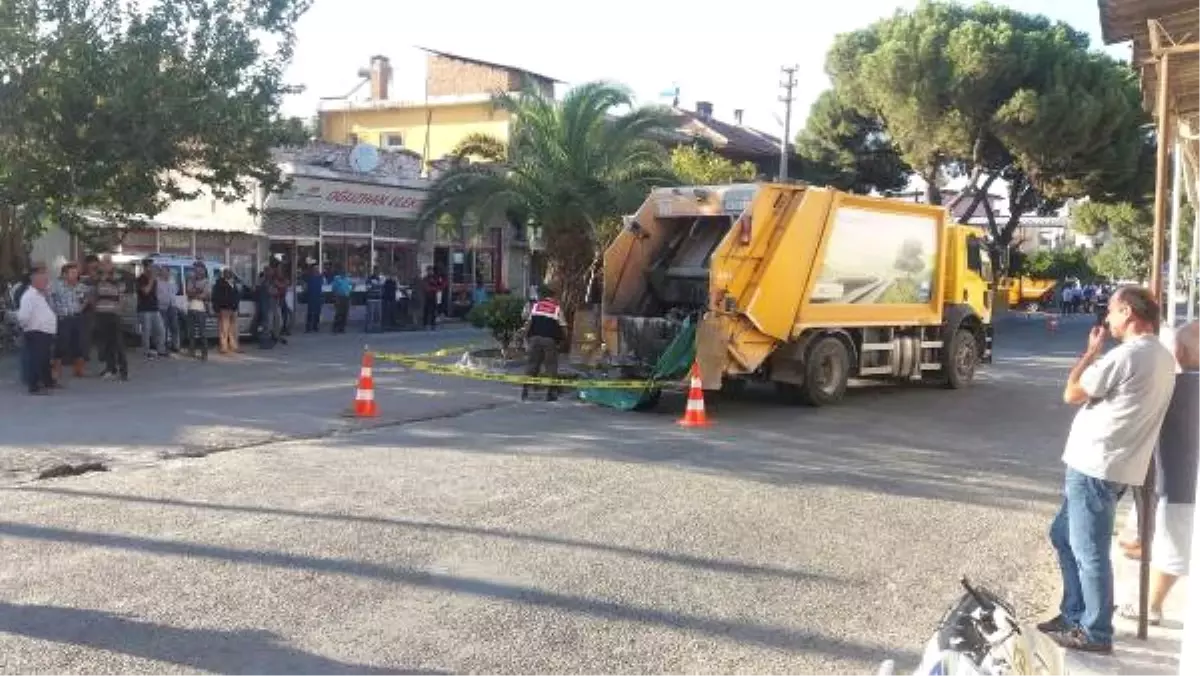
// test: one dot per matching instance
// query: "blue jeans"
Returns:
(153, 332)
(1082, 536)
(170, 318)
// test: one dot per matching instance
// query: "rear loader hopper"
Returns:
(800, 286)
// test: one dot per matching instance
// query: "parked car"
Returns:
(130, 266)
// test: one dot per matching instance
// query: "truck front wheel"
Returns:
(826, 372)
(962, 356)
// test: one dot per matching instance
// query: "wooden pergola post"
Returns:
(1161, 175)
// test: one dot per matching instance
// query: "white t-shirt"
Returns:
(1113, 435)
(199, 288)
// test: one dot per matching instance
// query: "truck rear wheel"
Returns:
(826, 372)
(962, 357)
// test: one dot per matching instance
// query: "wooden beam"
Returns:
(1161, 180)
(1155, 35)
(1174, 50)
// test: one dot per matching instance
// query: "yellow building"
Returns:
(457, 103)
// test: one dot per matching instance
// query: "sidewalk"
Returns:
(1159, 653)
(183, 407)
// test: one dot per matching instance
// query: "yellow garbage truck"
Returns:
(801, 286)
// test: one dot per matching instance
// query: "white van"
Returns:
(130, 266)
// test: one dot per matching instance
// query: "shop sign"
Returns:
(338, 197)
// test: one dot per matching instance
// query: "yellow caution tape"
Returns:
(421, 363)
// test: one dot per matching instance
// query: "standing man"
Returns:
(167, 291)
(389, 302)
(68, 297)
(107, 290)
(544, 332)
(277, 296)
(198, 294)
(39, 326)
(225, 304)
(341, 287)
(431, 286)
(91, 265)
(314, 295)
(1177, 456)
(149, 317)
(374, 303)
(1123, 397)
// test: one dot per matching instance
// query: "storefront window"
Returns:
(404, 263)
(333, 255)
(358, 260)
(138, 242)
(210, 246)
(485, 267)
(245, 266)
(283, 255)
(306, 255)
(175, 242)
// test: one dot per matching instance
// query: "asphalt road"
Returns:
(490, 536)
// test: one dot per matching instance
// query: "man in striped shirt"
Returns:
(108, 290)
(68, 297)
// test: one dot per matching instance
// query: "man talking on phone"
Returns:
(1123, 396)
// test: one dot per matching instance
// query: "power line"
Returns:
(787, 85)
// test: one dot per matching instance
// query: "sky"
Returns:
(727, 53)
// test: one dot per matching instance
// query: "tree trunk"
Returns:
(980, 197)
(968, 190)
(571, 254)
(13, 250)
(933, 194)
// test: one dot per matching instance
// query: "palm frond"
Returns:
(570, 167)
(483, 146)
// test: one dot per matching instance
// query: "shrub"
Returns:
(500, 314)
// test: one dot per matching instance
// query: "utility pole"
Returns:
(788, 85)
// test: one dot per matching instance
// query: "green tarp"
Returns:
(672, 365)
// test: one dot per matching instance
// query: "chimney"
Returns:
(381, 76)
(737, 116)
(704, 109)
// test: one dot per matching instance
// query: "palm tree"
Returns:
(570, 168)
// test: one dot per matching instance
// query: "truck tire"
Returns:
(733, 388)
(961, 360)
(826, 372)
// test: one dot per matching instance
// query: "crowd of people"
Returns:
(76, 318)
(1076, 297)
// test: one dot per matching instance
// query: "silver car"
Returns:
(130, 266)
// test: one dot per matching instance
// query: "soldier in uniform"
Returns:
(545, 329)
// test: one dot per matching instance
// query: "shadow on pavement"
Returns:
(979, 452)
(222, 652)
(717, 565)
(745, 632)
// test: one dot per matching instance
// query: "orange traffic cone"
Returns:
(694, 415)
(1051, 323)
(364, 396)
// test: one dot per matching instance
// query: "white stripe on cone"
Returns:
(695, 405)
(364, 372)
(364, 395)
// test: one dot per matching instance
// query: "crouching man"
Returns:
(545, 329)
